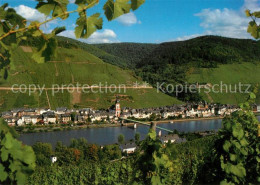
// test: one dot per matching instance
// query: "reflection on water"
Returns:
(103, 136)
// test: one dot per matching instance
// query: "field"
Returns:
(72, 67)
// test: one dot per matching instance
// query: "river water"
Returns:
(109, 135)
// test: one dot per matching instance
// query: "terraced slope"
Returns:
(72, 66)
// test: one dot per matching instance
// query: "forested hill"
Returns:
(132, 53)
(207, 59)
(206, 51)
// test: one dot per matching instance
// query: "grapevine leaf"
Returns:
(248, 14)
(226, 146)
(21, 178)
(256, 14)
(238, 170)
(4, 154)
(253, 29)
(114, 9)
(87, 26)
(30, 157)
(8, 141)
(3, 174)
(233, 157)
(136, 4)
(56, 7)
(83, 3)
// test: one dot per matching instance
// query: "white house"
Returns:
(128, 148)
(20, 122)
(166, 138)
(54, 159)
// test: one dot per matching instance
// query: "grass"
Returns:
(230, 74)
(72, 66)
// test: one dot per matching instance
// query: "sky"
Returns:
(157, 21)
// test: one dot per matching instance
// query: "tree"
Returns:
(15, 29)
(5, 74)
(43, 152)
(17, 161)
(137, 137)
(121, 139)
(253, 27)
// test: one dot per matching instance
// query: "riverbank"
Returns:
(54, 128)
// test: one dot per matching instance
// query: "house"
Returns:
(166, 138)
(49, 117)
(79, 118)
(128, 148)
(11, 121)
(125, 115)
(7, 114)
(54, 159)
(61, 110)
(29, 112)
(17, 112)
(180, 140)
(256, 108)
(65, 118)
(135, 113)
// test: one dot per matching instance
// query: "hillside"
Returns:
(132, 53)
(207, 59)
(101, 54)
(72, 66)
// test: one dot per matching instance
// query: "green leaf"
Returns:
(256, 14)
(4, 154)
(248, 14)
(45, 8)
(233, 157)
(7, 141)
(136, 4)
(21, 178)
(87, 26)
(238, 170)
(114, 9)
(253, 29)
(252, 96)
(56, 7)
(226, 146)
(3, 174)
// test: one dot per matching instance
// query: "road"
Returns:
(74, 88)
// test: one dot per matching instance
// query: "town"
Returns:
(44, 116)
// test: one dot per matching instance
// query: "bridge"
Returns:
(147, 124)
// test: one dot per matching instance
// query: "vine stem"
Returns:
(48, 20)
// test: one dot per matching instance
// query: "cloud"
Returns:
(72, 1)
(225, 22)
(128, 19)
(253, 5)
(30, 14)
(105, 36)
(188, 37)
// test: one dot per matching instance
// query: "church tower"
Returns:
(118, 109)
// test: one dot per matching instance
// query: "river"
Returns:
(108, 135)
